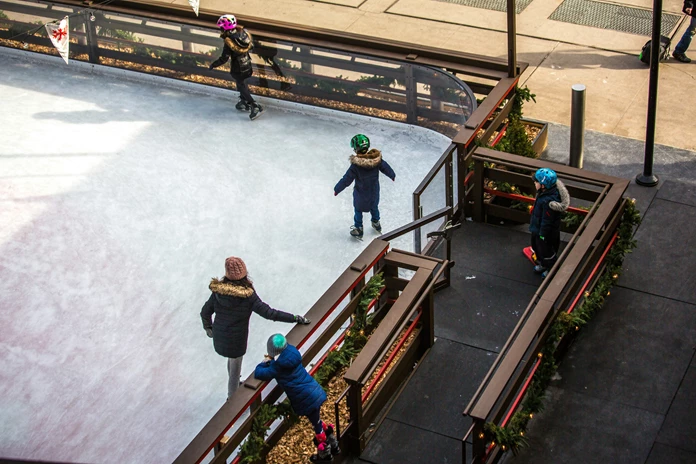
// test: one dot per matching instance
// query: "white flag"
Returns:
(59, 35)
(194, 5)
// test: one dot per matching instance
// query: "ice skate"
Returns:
(356, 232)
(377, 226)
(323, 453)
(331, 438)
(256, 111)
(242, 105)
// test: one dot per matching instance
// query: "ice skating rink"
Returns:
(119, 199)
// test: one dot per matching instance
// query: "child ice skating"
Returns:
(238, 43)
(305, 394)
(545, 223)
(365, 166)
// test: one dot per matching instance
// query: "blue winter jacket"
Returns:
(544, 219)
(304, 393)
(364, 170)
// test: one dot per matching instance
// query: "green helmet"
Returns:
(360, 143)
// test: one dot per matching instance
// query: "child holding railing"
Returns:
(305, 394)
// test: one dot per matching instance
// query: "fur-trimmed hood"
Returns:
(369, 160)
(235, 46)
(565, 198)
(226, 288)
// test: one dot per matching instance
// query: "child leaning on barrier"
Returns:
(545, 223)
(305, 394)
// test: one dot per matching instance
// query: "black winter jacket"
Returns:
(237, 45)
(233, 305)
(544, 219)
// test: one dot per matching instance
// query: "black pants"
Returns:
(547, 250)
(242, 88)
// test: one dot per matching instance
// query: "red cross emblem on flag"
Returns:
(58, 34)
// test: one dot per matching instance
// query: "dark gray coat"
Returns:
(233, 305)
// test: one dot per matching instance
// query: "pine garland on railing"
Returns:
(252, 450)
(512, 436)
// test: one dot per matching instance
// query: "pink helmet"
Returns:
(227, 22)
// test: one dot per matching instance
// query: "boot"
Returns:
(256, 111)
(323, 449)
(331, 439)
(356, 232)
(539, 268)
(242, 105)
(377, 226)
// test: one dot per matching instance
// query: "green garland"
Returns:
(252, 450)
(512, 437)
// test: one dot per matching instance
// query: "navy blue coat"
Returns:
(364, 170)
(304, 393)
(545, 220)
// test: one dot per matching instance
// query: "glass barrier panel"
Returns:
(399, 91)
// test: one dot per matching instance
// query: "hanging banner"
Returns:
(194, 4)
(59, 35)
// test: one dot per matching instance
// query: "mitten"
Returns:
(301, 319)
(209, 333)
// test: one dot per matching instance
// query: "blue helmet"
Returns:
(546, 177)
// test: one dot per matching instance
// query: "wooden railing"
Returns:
(576, 271)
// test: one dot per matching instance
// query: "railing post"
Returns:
(411, 98)
(478, 190)
(478, 443)
(463, 207)
(449, 180)
(358, 288)
(92, 40)
(353, 442)
(428, 321)
(417, 214)
(390, 271)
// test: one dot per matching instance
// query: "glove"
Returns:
(335, 193)
(211, 66)
(209, 333)
(301, 319)
(542, 237)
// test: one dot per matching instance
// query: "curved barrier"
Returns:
(286, 67)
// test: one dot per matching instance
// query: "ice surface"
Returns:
(119, 200)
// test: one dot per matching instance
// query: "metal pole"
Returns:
(577, 126)
(512, 38)
(647, 178)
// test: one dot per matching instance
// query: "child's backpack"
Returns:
(664, 50)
